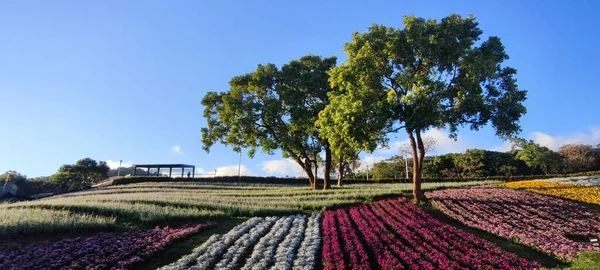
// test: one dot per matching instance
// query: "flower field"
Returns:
(395, 234)
(588, 194)
(550, 225)
(289, 242)
(161, 203)
(363, 229)
(102, 251)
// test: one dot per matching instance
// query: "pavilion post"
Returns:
(134, 169)
(170, 171)
(148, 171)
(194, 172)
(182, 171)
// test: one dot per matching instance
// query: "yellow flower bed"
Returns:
(567, 191)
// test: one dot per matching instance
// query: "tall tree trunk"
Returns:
(340, 172)
(417, 163)
(327, 171)
(306, 166)
(316, 174)
(421, 148)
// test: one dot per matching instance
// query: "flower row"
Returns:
(102, 251)
(562, 190)
(395, 234)
(550, 225)
(289, 242)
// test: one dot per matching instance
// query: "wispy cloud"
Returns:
(592, 136)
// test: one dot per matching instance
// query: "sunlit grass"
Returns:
(153, 203)
(28, 221)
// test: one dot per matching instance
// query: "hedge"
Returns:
(304, 181)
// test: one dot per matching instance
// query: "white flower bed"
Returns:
(305, 258)
(264, 252)
(238, 250)
(207, 253)
(288, 242)
(589, 181)
(286, 252)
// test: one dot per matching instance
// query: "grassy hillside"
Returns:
(172, 203)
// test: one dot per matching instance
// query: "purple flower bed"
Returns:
(550, 225)
(400, 235)
(102, 251)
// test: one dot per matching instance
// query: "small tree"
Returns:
(538, 158)
(578, 157)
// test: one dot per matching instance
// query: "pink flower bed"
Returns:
(550, 225)
(400, 235)
(102, 251)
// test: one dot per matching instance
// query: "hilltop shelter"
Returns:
(157, 169)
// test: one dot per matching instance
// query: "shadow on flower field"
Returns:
(186, 246)
(510, 246)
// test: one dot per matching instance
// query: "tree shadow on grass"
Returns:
(518, 249)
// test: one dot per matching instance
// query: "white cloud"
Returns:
(176, 148)
(282, 167)
(504, 147)
(233, 170)
(554, 142)
(369, 160)
(114, 164)
(444, 144)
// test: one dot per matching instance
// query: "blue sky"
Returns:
(123, 80)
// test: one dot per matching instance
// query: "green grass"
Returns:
(586, 261)
(144, 204)
(33, 221)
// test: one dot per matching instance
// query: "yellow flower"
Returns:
(567, 191)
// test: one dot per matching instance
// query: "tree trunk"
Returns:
(316, 174)
(417, 153)
(340, 173)
(308, 170)
(327, 171)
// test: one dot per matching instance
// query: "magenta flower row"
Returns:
(550, 225)
(102, 251)
(402, 236)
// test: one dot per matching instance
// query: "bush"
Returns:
(140, 179)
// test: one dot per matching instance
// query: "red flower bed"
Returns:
(102, 251)
(402, 236)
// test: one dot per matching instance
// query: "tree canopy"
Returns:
(428, 74)
(271, 109)
(80, 175)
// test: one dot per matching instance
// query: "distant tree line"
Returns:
(69, 177)
(525, 158)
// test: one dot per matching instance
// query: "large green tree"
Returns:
(272, 109)
(430, 74)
